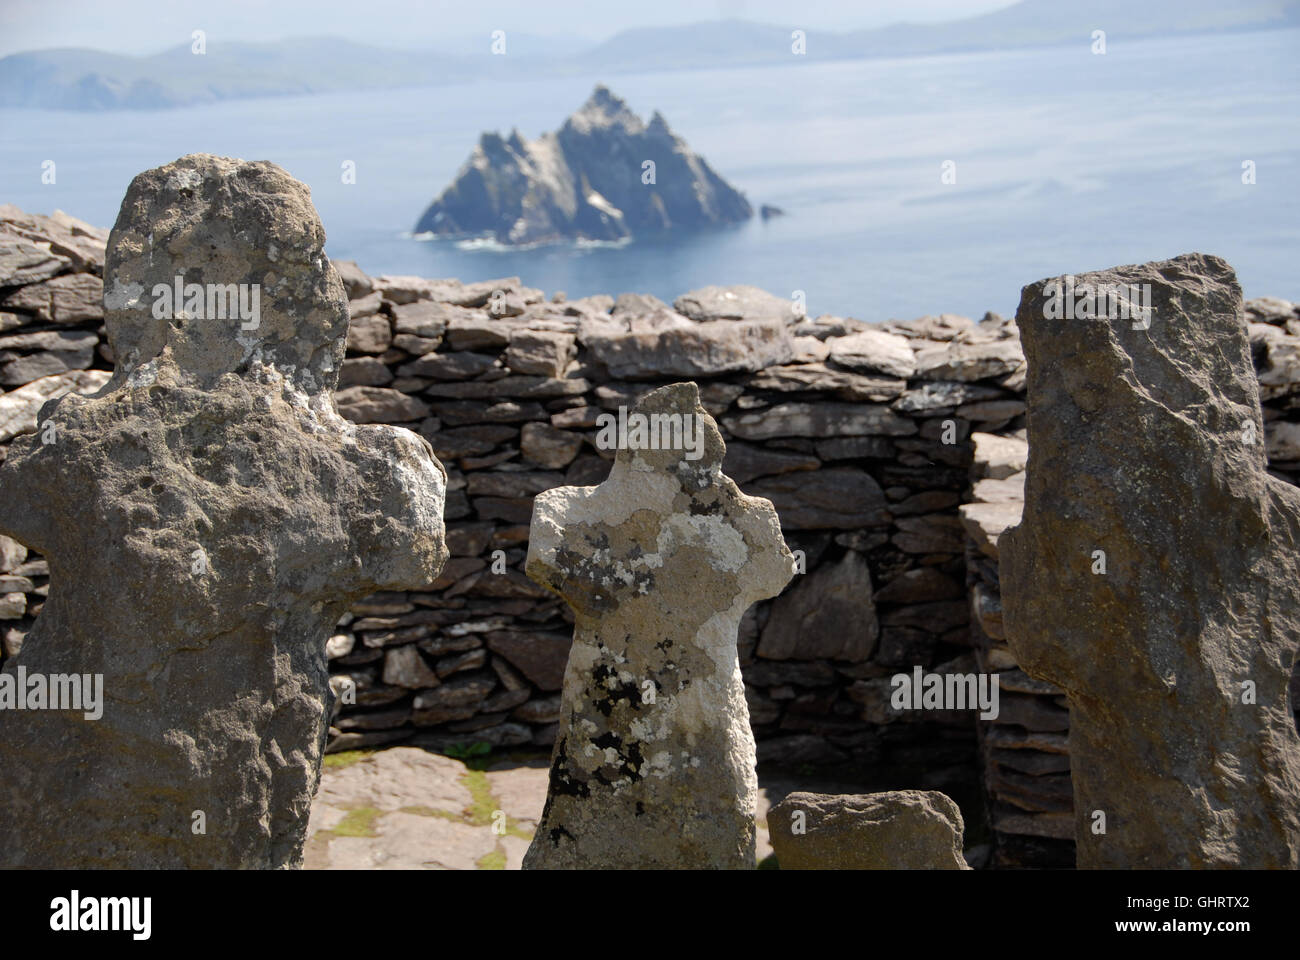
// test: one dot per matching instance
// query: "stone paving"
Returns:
(404, 808)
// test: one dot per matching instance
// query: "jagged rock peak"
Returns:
(604, 175)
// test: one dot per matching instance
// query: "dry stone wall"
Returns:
(893, 454)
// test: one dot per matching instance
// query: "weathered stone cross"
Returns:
(1155, 576)
(207, 518)
(654, 762)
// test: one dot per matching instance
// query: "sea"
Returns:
(910, 186)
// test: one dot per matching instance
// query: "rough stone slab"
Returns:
(827, 615)
(833, 498)
(969, 362)
(997, 457)
(1147, 444)
(71, 298)
(734, 303)
(876, 351)
(898, 830)
(819, 420)
(20, 409)
(694, 349)
(213, 468)
(803, 377)
(986, 522)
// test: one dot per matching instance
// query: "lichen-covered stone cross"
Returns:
(654, 761)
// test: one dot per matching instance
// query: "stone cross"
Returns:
(207, 517)
(654, 762)
(1155, 576)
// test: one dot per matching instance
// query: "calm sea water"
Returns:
(1065, 162)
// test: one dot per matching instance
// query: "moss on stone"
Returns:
(359, 822)
(337, 761)
(496, 860)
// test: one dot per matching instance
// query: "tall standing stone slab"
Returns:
(654, 762)
(208, 517)
(1155, 576)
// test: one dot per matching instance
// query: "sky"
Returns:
(148, 26)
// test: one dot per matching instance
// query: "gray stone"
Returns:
(369, 334)
(899, 830)
(12, 554)
(833, 498)
(874, 350)
(404, 667)
(826, 615)
(23, 261)
(548, 447)
(71, 298)
(364, 371)
(818, 377)
(355, 281)
(997, 457)
(745, 462)
(819, 420)
(1145, 444)
(986, 522)
(968, 362)
(735, 303)
(19, 409)
(188, 475)
(919, 585)
(380, 405)
(25, 357)
(540, 352)
(692, 349)
(945, 327)
(654, 762)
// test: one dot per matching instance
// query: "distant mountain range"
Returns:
(83, 79)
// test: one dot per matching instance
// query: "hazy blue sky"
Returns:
(146, 26)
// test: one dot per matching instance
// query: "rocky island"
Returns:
(606, 175)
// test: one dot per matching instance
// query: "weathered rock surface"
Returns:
(899, 830)
(20, 408)
(584, 182)
(654, 349)
(207, 520)
(654, 762)
(828, 614)
(1147, 445)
